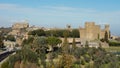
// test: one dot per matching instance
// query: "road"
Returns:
(5, 55)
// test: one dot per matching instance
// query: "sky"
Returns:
(59, 13)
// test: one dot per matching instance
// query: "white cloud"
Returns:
(47, 10)
(7, 6)
(53, 14)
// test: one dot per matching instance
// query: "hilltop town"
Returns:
(91, 32)
(67, 47)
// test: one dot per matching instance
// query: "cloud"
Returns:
(46, 10)
(7, 6)
(14, 10)
(51, 15)
(56, 10)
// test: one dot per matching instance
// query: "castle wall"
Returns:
(89, 30)
(92, 31)
(102, 33)
(82, 33)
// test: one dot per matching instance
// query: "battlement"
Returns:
(91, 31)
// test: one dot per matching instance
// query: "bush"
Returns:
(5, 64)
(114, 43)
(11, 38)
(38, 32)
(102, 40)
(60, 33)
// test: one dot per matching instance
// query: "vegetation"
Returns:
(53, 41)
(38, 32)
(5, 31)
(55, 33)
(114, 43)
(106, 36)
(36, 52)
(1, 42)
(113, 48)
(75, 33)
(10, 38)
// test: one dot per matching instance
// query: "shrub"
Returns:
(114, 43)
(5, 64)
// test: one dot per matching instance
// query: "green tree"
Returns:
(65, 61)
(31, 33)
(28, 41)
(75, 33)
(86, 44)
(40, 46)
(98, 36)
(10, 38)
(106, 36)
(38, 32)
(53, 41)
(28, 55)
(109, 34)
(65, 45)
(74, 44)
(1, 42)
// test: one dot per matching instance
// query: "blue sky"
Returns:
(58, 13)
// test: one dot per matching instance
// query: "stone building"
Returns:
(18, 27)
(19, 31)
(91, 31)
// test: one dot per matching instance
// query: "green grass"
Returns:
(113, 48)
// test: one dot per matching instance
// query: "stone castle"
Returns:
(20, 25)
(17, 27)
(19, 31)
(91, 31)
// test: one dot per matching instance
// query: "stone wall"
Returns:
(92, 31)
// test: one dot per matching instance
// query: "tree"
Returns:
(39, 42)
(73, 44)
(40, 47)
(86, 44)
(109, 34)
(106, 36)
(65, 45)
(1, 42)
(10, 38)
(75, 33)
(65, 61)
(28, 55)
(31, 33)
(53, 41)
(38, 32)
(98, 36)
(28, 41)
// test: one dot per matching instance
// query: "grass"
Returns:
(113, 48)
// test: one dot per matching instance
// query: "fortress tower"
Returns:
(93, 31)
